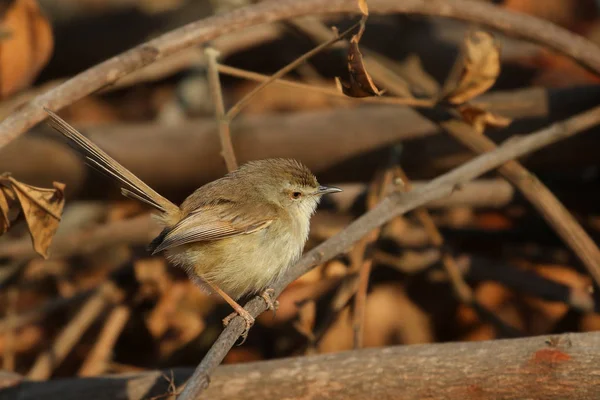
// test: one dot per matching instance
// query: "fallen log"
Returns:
(543, 367)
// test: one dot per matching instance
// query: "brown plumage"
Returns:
(236, 235)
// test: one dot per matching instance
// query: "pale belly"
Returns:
(241, 265)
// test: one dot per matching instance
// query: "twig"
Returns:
(365, 261)
(68, 337)
(482, 193)
(360, 302)
(461, 289)
(540, 197)
(222, 120)
(237, 107)
(400, 101)
(392, 206)
(97, 359)
(199, 32)
(40, 312)
(189, 58)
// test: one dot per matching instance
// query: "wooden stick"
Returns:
(461, 289)
(364, 261)
(70, 334)
(542, 367)
(98, 358)
(223, 122)
(237, 107)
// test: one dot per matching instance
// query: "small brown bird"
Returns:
(235, 236)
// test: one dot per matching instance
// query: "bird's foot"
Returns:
(272, 304)
(247, 317)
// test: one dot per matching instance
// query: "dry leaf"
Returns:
(7, 198)
(41, 207)
(479, 118)
(26, 47)
(362, 5)
(480, 68)
(361, 84)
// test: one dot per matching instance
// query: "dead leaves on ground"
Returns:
(42, 209)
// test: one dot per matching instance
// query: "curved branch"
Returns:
(199, 32)
(390, 207)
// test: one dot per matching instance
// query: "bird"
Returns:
(235, 236)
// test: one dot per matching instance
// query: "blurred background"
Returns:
(102, 304)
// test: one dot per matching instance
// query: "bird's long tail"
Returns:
(132, 186)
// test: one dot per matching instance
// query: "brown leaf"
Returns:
(26, 47)
(42, 209)
(7, 198)
(361, 84)
(479, 118)
(480, 68)
(362, 5)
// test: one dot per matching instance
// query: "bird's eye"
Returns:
(296, 195)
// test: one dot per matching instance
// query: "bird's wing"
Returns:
(216, 221)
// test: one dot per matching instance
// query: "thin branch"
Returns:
(392, 206)
(237, 107)
(68, 337)
(461, 289)
(399, 101)
(551, 209)
(365, 260)
(202, 31)
(222, 121)
(48, 307)
(99, 356)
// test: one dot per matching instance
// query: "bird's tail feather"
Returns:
(133, 187)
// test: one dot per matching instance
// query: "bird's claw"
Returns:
(249, 319)
(272, 304)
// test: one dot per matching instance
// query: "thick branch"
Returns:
(111, 70)
(550, 368)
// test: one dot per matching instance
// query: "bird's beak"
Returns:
(327, 189)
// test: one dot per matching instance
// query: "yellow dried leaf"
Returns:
(42, 209)
(362, 5)
(479, 118)
(480, 68)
